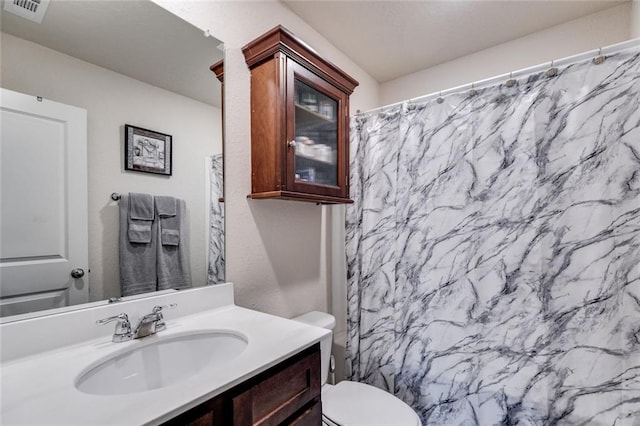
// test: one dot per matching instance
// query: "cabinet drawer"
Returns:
(214, 412)
(282, 394)
(310, 416)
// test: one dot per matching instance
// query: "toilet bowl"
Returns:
(350, 403)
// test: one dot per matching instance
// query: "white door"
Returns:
(43, 204)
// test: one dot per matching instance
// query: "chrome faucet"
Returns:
(122, 333)
(149, 324)
(152, 323)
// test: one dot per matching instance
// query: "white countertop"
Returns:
(39, 388)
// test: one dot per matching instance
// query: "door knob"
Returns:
(77, 273)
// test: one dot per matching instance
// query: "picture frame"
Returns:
(147, 150)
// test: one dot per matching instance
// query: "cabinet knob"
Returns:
(292, 144)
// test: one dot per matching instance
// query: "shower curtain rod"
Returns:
(596, 53)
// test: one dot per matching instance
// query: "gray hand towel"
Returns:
(169, 221)
(139, 233)
(173, 257)
(170, 237)
(141, 214)
(165, 206)
(141, 206)
(138, 268)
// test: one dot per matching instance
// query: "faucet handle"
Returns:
(160, 324)
(158, 308)
(122, 332)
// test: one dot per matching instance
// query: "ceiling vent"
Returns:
(32, 10)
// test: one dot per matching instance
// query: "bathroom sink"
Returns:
(159, 361)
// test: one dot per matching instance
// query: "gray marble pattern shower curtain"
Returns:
(493, 250)
(215, 252)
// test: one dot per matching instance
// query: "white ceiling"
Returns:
(136, 38)
(390, 39)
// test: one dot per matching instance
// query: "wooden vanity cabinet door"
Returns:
(215, 412)
(310, 416)
(290, 394)
(287, 394)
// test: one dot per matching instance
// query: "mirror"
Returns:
(124, 63)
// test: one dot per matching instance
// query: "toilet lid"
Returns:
(356, 404)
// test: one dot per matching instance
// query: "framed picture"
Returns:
(147, 150)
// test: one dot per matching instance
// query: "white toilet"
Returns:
(351, 403)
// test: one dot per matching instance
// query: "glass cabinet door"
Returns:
(316, 136)
(317, 131)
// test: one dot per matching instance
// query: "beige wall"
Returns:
(591, 32)
(111, 100)
(275, 250)
(635, 19)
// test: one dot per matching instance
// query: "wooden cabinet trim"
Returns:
(279, 39)
(299, 196)
(218, 70)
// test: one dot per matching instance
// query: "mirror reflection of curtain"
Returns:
(493, 250)
(215, 272)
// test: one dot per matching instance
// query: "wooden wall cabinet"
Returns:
(287, 394)
(299, 121)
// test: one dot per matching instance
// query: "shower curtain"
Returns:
(493, 250)
(215, 252)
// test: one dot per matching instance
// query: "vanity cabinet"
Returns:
(286, 394)
(299, 121)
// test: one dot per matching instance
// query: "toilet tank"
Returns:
(324, 320)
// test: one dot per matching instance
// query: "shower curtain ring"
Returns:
(553, 71)
(510, 82)
(473, 91)
(440, 99)
(599, 58)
